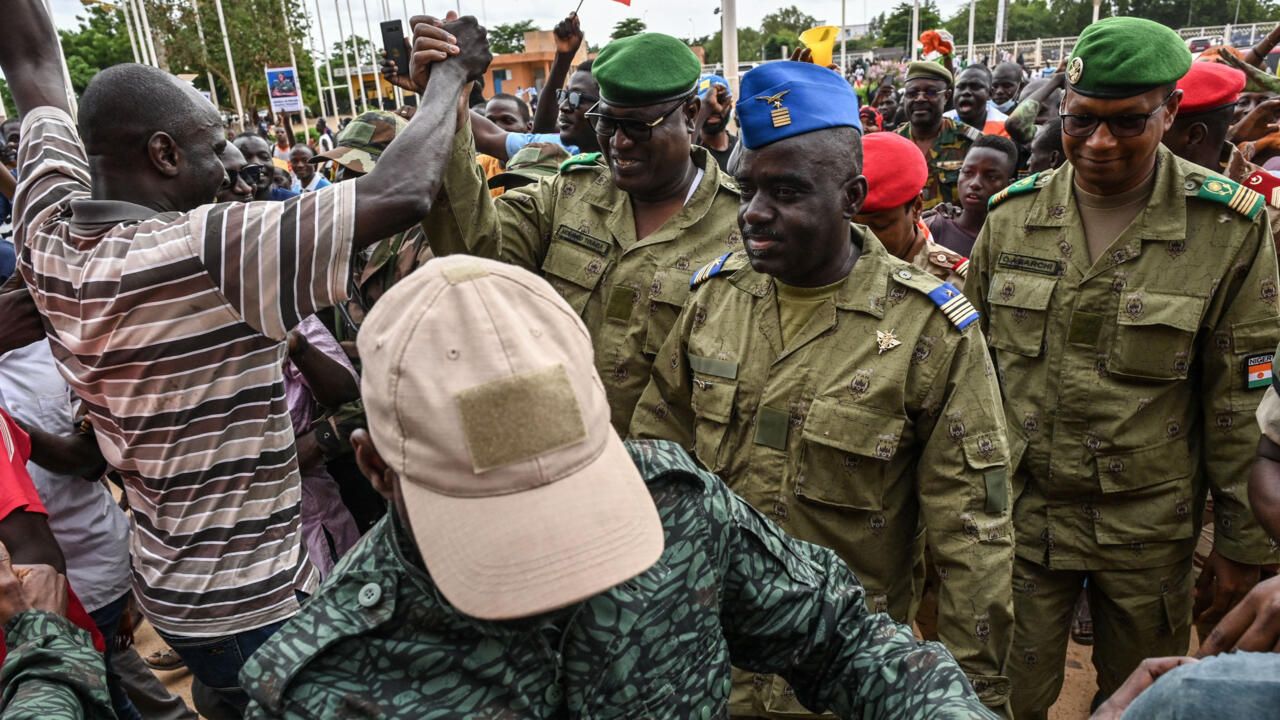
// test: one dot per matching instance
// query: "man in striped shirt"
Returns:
(168, 317)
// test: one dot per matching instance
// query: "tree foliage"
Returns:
(509, 38)
(628, 27)
(101, 41)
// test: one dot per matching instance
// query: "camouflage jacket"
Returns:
(52, 671)
(1128, 381)
(943, 263)
(855, 441)
(379, 640)
(945, 158)
(577, 230)
(374, 271)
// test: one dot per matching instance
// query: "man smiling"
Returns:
(943, 141)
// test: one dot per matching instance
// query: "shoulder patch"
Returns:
(969, 131)
(580, 160)
(946, 296)
(1030, 183)
(1223, 191)
(712, 269)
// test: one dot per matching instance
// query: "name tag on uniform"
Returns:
(1027, 263)
(581, 239)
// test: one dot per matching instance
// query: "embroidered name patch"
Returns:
(1026, 263)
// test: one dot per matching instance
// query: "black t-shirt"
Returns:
(950, 235)
(722, 156)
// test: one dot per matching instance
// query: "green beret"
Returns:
(1125, 56)
(930, 71)
(645, 69)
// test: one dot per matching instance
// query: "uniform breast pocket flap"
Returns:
(1019, 311)
(712, 403)
(1148, 495)
(1154, 335)
(667, 293)
(573, 271)
(846, 454)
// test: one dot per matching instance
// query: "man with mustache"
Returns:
(617, 233)
(1130, 303)
(943, 141)
(839, 390)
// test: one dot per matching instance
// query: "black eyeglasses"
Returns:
(929, 93)
(1121, 126)
(251, 174)
(638, 130)
(576, 99)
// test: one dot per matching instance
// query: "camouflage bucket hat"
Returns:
(362, 141)
(530, 164)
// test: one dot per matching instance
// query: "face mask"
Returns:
(1007, 105)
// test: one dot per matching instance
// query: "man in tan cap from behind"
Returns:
(536, 566)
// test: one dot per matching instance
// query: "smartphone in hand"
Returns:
(394, 46)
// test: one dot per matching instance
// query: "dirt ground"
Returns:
(1073, 704)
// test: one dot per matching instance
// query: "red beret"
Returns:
(895, 170)
(1208, 86)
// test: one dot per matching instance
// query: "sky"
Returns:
(682, 18)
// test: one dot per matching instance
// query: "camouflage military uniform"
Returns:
(945, 158)
(577, 230)
(379, 640)
(943, 263)
(52, 671)
(373, 273)
(1126, 394)
(851, 447)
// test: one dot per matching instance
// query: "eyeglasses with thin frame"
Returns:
(251, 174)
(576, 99)
(638, 130)
(1122, 126)
(929, 93)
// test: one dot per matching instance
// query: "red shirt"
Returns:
(18, 494)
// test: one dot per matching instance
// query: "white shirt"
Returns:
(91, 529)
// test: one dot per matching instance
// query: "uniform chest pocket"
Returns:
(1019, 311)
(1154, 335)
(574, 272)
(846, 454)
(715, 386)
(667, 293)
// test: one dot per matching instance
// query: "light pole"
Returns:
(915, 28)
(729, 42)
(231, 65)
(204, 53)
(141, 9)
(999, 25)
(844, 37)
(1097, 7)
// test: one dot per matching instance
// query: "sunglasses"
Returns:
(251, 174)
(638, 130)
(931, 94)
(575, 99)
(1121, 126)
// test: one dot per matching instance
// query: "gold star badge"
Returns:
(886, 341)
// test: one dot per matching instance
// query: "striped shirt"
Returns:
(170, 328)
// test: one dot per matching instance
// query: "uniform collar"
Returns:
(99, 213)
(1163, 220)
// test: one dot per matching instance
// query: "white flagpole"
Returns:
(133, 41)
(231, 65)
(373, 53)
(204, 51)
(293, 60)
(328, 68)
(146, 31)
(729, 42)
(355, 50)
(311, 48)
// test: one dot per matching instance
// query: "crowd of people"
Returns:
(839, 396)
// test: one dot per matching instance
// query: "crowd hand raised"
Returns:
(1260, 122)
(392, 73)
(29, 587)
(1253, 625)
(429, 44)
(1144, 677)
(568, 34)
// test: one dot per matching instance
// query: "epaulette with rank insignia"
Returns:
(1237, 197)
(1032, 182)
(580, 160)
(712, 269)
(946, 296)
(1267, 185)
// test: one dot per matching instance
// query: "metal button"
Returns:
(369, 595)
(904, 274)
(1191, 185)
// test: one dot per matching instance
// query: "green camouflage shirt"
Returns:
(379, 640)
(945, 158)
(855, 448)
(577, 230)
(1127, 382)
(52, 671)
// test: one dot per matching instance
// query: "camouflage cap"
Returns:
(529, 164)
(362, 141)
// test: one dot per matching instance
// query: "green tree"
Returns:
(787, 20)
(509, 38)
(352, 50)
(897, 24)
(99, 42)
(628, 27)
(10, 109)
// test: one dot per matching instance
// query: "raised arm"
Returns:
(1259, 52)
(29, 57)
(1022, 119)
(401, 189)
(568, 39)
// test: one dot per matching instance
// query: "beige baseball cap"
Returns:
(481, 392)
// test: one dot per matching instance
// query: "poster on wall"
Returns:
(283, 89)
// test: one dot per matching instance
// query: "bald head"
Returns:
(126, 104)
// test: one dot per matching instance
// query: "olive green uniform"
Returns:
(577, 230)
(1125, 387)
(945, 159)
(859, 450)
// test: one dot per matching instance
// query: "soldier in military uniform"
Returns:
(1128, 297)
(943, 141)
(616, 233)
(535, 566)
(841, 391)
(896, 174)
